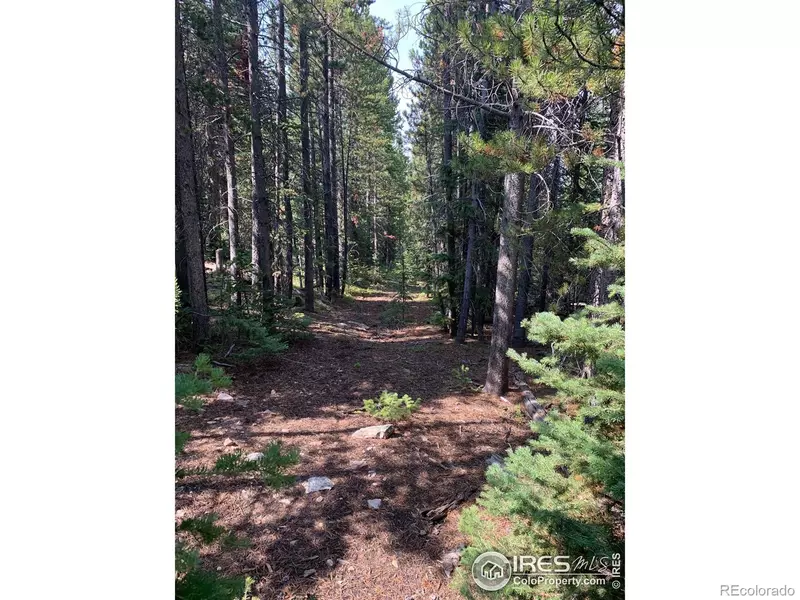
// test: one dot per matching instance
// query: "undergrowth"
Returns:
(391, 407)
(192, 580)
(189, 387)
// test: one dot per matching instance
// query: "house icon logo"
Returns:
(491, 571)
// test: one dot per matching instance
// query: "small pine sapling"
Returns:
(391, 407)
(192, 581)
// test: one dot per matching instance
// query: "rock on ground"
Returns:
(316, 484)
(375, 431)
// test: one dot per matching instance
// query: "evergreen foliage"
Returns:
(563, 492)
(248, 337)
(270, 467)
(391, 407)
(189, 387)
(192, 581)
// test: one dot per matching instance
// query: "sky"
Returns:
(387, 9)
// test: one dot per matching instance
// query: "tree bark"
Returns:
(329, 174)
(346, 204)
(229, 150)
(526, 259)
(187, 195)
(283, 147)
(335, 192)
(447, 174)
(503, 319)
(549, 203)
(262, 267)
(181, 268)
(613, 193)
(325, 151)
(318, 211)
(466, 297)
(305, 150)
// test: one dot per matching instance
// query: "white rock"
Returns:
(316, 484)
(225, 397)
(374, 503)
(254, 456)
(375, 431)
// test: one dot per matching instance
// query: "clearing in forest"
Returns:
(331, 544)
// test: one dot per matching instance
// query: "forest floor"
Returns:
(330, 544)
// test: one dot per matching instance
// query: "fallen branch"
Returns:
(533, 409)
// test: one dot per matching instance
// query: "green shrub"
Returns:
(181, 438)
(188, 385)
(246, 338)
(216, 375)
(564, 492)
(391, 407)
(438, 319)
(462, 379)
(292, 326)
(192, 580)
(394, 315)
(206, 377)
(270, 467)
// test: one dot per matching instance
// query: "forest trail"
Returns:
(330, 544)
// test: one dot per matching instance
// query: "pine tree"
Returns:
(563, 492)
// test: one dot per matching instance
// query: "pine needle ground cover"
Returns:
(435, 458)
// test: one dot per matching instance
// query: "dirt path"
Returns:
(437, 456)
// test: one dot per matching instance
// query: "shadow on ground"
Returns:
(330, 544)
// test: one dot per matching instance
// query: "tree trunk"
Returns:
(305, 150)
(503, 319)
(549, 203)
(229, 150)
(329, 173)
(262, 277)
(526, 259)
(318, 211)
(335, 194)
(613, 193)
(447, 175)
(283, 147)
(187, 195)
(461, 334)
(181, 268)
(345, 206)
